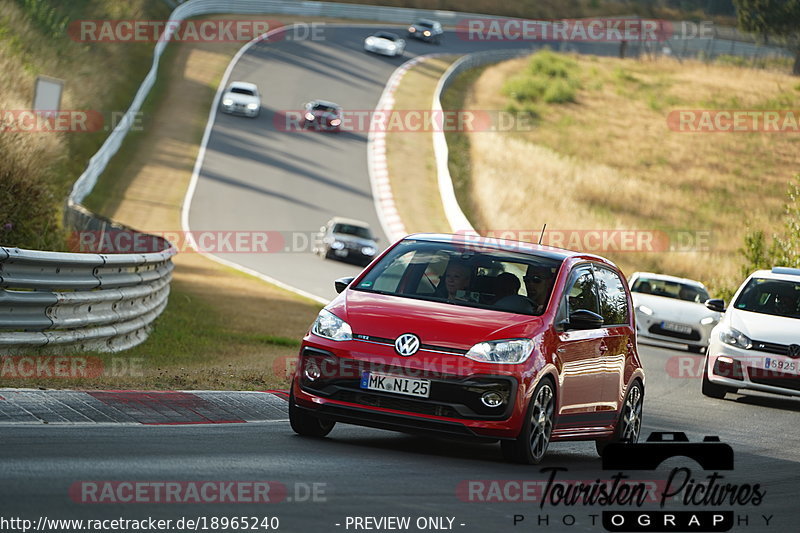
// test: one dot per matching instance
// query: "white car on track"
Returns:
(242, 98)
(385, 43)
(756, 345)
(672, 309)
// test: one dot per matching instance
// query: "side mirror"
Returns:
(342, 283)
(584, 319)
(322, 229)
(715, 304)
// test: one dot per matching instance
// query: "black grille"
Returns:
(773, 379)
(399, 404)
(771, 347)
(658, 330)
(390, 342)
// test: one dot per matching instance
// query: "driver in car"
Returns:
(538, 284)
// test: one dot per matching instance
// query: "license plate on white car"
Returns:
(420, 388)
(677, 328)
(782, 364)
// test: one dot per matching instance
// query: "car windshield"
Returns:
(460, 274)
(770, 297)
(242, 90)
(386, 35)
(352, 229)
(425, 23)
(670, 289)
(324, 108)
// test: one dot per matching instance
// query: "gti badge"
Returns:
(407, 344)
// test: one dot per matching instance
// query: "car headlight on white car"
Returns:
(336, 245)
(368, 250)
(252, 106)
(309, 116)
(370, 41)
(736, 338)
(331, 327)
(646, 310)
(227, 102)
(507, 351)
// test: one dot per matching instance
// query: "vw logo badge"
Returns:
(794, 350)
(407, 344)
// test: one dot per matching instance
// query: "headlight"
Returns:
(708, 320)
(370, 41)
(331, 327)
(509, 351)
(227, 102)
(336, 245)
(412, 29)
(368, 250)
(735, 338)
(646, 310)
(252, 106)
(426, 33)
(309, 116)
(336, 122)
(392, 47)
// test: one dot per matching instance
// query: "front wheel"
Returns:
(531, 444)
(305, 424)
(712, 390)
(629, 424)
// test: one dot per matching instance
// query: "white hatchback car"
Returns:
(242, 98)
(756, 345)
(671, 309)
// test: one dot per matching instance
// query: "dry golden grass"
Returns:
(610, 161)
(409, 154)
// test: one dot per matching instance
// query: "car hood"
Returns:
(768, 328)
(435, 323)
(239, 98)
(672, 309)
(352, 239)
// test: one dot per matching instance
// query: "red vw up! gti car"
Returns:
(472, 337)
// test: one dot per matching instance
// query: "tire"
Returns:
(534, 437)
(629, 425)
(712, 390)
(305, 424)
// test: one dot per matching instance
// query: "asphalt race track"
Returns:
(256, 178)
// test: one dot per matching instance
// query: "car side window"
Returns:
(613, 298)
(581, 293)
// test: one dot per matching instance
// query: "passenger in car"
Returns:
(507, 287)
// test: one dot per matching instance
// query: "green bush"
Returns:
(560, 92)
(549, 78)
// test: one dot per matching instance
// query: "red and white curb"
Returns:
(376, 156)
(27, 406)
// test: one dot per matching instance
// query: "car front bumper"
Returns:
(652, 327)
(738, 368)
(240, 110)
(453, 406)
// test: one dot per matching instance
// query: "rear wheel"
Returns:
(305, 424)
(531, 444)
(712, 390)
(629, 425)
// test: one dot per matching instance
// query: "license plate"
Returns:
(779, 364)
(677, 328)
(340, 253)
(420, 388)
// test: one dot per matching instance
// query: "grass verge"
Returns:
(611, 160)
(409, 154)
